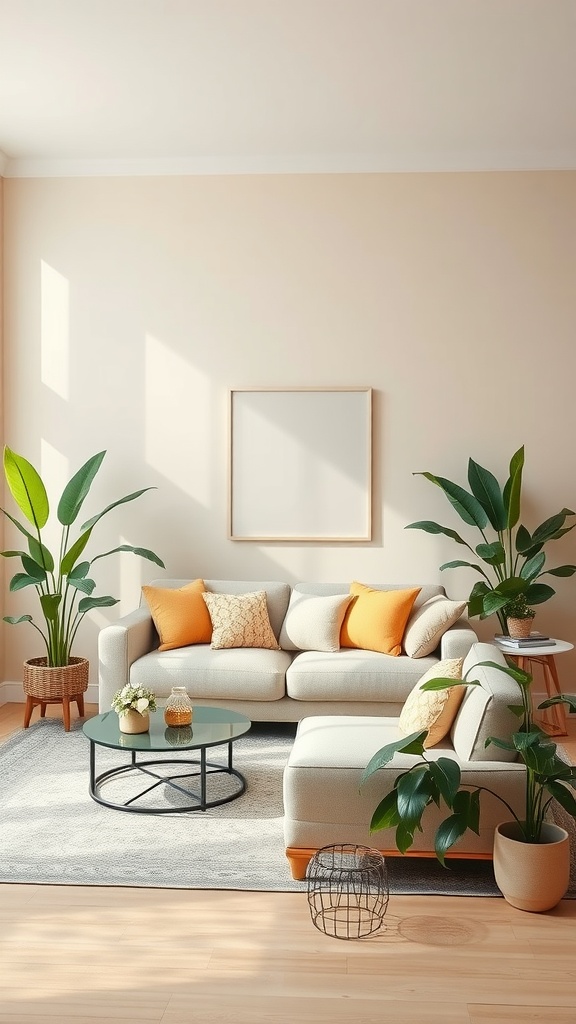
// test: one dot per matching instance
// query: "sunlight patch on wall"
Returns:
(55, 330)
(178, 420)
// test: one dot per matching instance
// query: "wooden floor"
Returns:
(80, 955)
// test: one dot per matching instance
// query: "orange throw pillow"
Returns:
(180, 616)
(376, 619)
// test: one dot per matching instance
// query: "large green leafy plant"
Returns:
(512, 558)
(61, 578)
(439, 781)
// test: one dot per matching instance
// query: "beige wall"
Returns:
(133, 305)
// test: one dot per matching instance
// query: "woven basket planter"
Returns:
(520, 629)
(46, 683)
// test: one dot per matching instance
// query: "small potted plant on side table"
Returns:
(519, 617)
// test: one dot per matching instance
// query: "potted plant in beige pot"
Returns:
(133, 705)
(519, 617)
(531, 854)
(61, 579)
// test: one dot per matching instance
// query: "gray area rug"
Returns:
(52, 832)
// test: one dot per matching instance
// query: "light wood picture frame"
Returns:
(300, 464)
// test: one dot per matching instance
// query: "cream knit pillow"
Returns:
(240, 620)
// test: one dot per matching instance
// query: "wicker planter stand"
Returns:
(60, 685)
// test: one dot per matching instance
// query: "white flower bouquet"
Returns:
(134, 698)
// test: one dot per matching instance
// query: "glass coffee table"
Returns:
(211, 727)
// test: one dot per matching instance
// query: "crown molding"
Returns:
(302, 164)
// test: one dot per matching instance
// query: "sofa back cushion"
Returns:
(484, 711)
(277, 594)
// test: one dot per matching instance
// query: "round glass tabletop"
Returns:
(210, 727)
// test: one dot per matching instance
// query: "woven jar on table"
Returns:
(46, 683)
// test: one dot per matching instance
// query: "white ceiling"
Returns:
(233, 86)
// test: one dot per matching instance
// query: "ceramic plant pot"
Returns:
(133, 722)
(532, 876)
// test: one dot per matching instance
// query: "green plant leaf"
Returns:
(404, 836)
(563, 796)
(492, 602)
(412, 744)
(88, 603)
(497, 742)
(142, 552)
(519, 675)
(33, 569)
(50, 605)
(516, 709)
(13, 554)
(434, 528)
(413, 794)
(76, 490)
(448, 833)
(90, 523)
(537, 593)
(513, 489)
(493, 553)
(79, 571)
(73, 553)
(26, 488)
(386, 814)
(486, 489)
(523, 540)
(561, 570)
(458, 563)
(442, 683)
(446, 774)
(21, 580)
(550, 527)
(560, 698)
(532, 566)
(476, 599)
(84, 585)
(40, 553)
(14, 621)
(466, 505)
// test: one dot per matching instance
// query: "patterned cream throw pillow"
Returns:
(434, 710)
(240, 620)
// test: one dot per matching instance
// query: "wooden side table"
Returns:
(554, 719)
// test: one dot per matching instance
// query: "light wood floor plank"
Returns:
(487, 1013)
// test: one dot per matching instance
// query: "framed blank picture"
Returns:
(300, 464)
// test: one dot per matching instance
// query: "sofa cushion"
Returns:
(180, 615)
(375, 619)
(241, 673)
(352, 675)
(484, 711)
(434, 710)
(428, 623)
(314, 623)
(240, 620)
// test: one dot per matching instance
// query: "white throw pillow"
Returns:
(428, 623)
(434, 710)
(313, 623)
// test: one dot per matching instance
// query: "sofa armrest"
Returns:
(119, 645)
(457, 640)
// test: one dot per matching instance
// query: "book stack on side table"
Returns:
(525, 643)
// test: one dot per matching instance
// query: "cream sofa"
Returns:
(269, 685)
(323, 801)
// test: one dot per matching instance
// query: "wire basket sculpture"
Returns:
(348, 891)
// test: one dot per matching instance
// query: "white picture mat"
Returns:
(301, 464)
